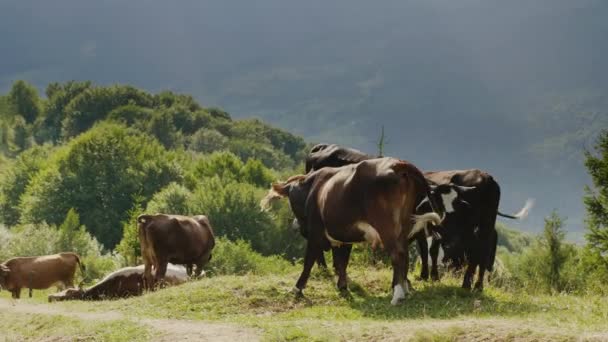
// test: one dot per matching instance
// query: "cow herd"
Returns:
(345, 197)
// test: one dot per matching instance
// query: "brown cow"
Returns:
(180, 240)
(125, 282)
(369, 201)
(39, 272)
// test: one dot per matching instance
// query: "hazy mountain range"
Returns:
(518, 88)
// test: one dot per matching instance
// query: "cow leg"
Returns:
(16, 293)
(312, 254)
(189, 269)
(148, 280)
(341, 257)
(423, 250)
(159, 277)
(30, 292)
(321, 261)
(399, 260)
(468, 275)
(434, 255)
(480, 276)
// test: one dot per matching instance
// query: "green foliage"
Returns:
(513, 240)
(174, 199)
(129, 247)
(95, 103)
(98, 173)
(553, 235)
(596, 199)
(24, 100)
(58, 95)
(14, 180)
(207, 141)
(238, 258)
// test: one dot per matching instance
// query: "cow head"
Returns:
(67, 294)
(450, 197)
(4, 273)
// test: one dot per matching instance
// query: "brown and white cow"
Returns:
(176, 239)
(122, 283)
(39, 272)
(372, 201)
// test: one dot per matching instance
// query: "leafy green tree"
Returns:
(553, 237)
(174, 199)
(15, 178)
(24, 99)
(98, 174)
(73, 237)
(58, 95)
(129, 246)
(596, 199)
(95, 103)
(207, 141)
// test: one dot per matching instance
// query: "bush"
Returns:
(238, 258)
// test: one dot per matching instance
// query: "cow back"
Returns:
(175, 238)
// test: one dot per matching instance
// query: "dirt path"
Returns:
(168, 329)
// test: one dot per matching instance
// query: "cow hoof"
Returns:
(297, 292)
(398, 294)
(478, 288)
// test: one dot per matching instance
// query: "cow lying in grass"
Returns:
(125, 282)
(39, 272)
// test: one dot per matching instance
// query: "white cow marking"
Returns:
(398, 294)
(448, 200)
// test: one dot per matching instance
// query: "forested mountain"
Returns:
(518, 88)
(107, 154)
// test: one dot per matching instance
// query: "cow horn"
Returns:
(462, 188)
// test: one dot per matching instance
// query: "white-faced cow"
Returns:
(125, 282)
(175, 239)
(372, 201)
(472, 235)
(39, 272)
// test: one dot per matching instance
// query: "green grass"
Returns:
(36, 327)
(435, 311)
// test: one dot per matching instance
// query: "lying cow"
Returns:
(175, 239)
(372, 201)
(125, 282)
(39, 272)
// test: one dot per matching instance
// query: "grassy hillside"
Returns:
(435, 311)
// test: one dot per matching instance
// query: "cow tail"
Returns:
(522, 214)
(494, 243)
(82, 268)
(279, 190)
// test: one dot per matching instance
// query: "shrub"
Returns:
(238, 258)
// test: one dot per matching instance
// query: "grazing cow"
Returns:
(125, 282)
(175, 239)
(372, 201)
(473, 235)
(39, 272)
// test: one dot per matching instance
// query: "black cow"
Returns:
(471, 234)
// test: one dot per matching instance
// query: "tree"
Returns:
(596, 198)
(98, 174)
(553, 236)
(24, 99)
